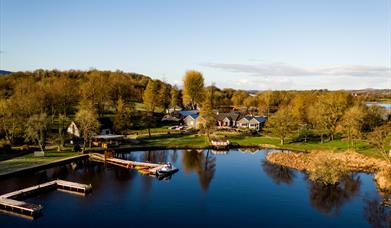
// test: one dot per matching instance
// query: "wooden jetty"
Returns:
(219, 143)
(10, 202)
(143, 167)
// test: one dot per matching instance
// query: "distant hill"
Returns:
(4, 72)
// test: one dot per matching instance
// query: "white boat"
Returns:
(167, 169)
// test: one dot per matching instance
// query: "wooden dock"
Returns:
(143, 167)
(10, 202)
(219, 143)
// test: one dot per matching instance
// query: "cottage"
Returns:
(244, 122)
(257, 122)
(227, 119)
(191, 120)
(73, 129)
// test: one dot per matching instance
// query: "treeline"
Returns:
(33, 102)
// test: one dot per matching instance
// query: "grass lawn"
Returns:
(161, 129)
(335, 146)
(29, 160)
(175, 141)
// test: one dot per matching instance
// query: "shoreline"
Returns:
(43, 166)
(352, 162)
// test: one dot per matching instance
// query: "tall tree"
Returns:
(282, 123)
(123, 117)
(174, 94)
(193, 88)
(151, 101)
(207, 113)
(352, 122)
(380, 138)
(164, 96)
(36, 129)
(87, 119)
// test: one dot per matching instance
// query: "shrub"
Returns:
(327, 170)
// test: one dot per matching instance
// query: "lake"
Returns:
(227, 189)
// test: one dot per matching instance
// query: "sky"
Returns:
(242, 44)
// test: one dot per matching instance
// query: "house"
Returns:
(227, 119)
(191, 120)
(257, 122)
(244, 122)
(250, 122)
(73, 129)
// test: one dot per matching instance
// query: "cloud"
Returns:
(281, 70)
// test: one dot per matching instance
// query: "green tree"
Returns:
(151, 101)
(352, 122)
(207, 113)
(238, 98)
(63, 120)
(282, 123)
(380, 138)
(164, 96)
(87, 119)
(123, 117)
(175, 99)
(193, 88)
(36, 129)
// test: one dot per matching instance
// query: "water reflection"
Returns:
(278, 173)
(203, 165)
(376, 213)
(330, 198)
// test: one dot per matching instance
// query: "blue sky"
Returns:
(275, 44)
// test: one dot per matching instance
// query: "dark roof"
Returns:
(188, 112)
(234, 116)
(193, 116)
(248, 118)
(260, 119)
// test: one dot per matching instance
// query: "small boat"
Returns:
(167, 169)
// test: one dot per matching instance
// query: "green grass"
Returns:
(161, 129)
(29, 160)
(175, 141)
(335, 145)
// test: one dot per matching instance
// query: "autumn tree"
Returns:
(328, 110)
(352, 122)
(87, 119)
(151, 101)
(238, 98)
(12, 120)
(380, 138)
(123, 117)
(36, 129)
(164, 96)
(207, 113)
(300, 111)
(175, 99)
(63, 120)
(193, 88)
(282, 123)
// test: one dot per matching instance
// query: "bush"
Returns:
(327, 171)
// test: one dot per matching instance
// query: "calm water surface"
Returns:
(236, 189)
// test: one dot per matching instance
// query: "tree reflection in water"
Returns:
(203, 165)
(377, 214)
(330, 198)
(278, 173)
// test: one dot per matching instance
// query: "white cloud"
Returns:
(280, 70)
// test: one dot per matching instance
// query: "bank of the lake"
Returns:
(187, 141)
(350, 160)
